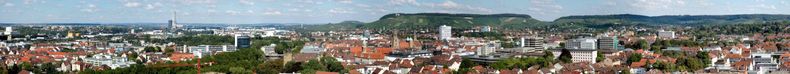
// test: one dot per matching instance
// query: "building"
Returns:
(763, 62)
(8, 30)
(666, 34)
(485, 29)
(579, 55)
(531, 43)
(201, 50)
(242, 41)
(581, 43)
(487, 49)
(108, 60)
(445, 32)
(608, 44)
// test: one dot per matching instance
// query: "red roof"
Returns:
(324, 72)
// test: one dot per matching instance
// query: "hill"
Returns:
(673, 19)
(432, 20)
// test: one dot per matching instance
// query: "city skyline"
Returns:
(333, 11)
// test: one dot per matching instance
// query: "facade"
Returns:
(202, 50)
(487, 49)
(242, 41)
(579, 55)
(8, 30)
(608, 43)
(581, 43)
(108, 60)
(445, 32)
(666, 34)
(485, 29)
(531, 43)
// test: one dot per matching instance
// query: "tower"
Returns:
(445, 32)
(395, 40)
(172, 24)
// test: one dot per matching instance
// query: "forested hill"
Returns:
(674, 19)
(520, 21)
(432, 20)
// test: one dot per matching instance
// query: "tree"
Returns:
(332, 64)
(703, 56)
(270, 67)
(599, 57)
(634, 57)
(292, 67)
(565, 56)
(314, 65)
(467, 63)
(239, 70)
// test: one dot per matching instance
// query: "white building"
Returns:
(581, 43)
(487, 49)
(8, 30)
(666, 34)
(108, 60)
(531, 43)
(579, 55)
(445, 32)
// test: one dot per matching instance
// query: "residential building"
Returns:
(666, 34)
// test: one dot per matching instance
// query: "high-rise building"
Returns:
(8, 30)
(608, 43)
(581, 43)
(666, 34)
(445, 32)
(242, 41)
(531, 43)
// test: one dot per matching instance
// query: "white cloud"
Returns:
(272, 13)
(345, 1)
(8, 4)
(449, 6)
(232, 12)
(246, 2)
(404, 2)
(149, 6)
(340, 11)
(89, 8)
(132, 4)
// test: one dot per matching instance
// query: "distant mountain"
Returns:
(673, 19)
(432, 20)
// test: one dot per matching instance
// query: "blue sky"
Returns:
(328, 11)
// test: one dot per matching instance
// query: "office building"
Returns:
(242, 41)
(581, 43)
(445, 32)
(8, 30)
(608, 43)
(530, 43)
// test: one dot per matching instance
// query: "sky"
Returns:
(333, 11)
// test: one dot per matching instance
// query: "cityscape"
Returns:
(394, 37)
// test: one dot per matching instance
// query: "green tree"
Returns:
(467, 63)
(332, 64)
(565, 56)
(599, 57)
(315, 65)
(634, 57)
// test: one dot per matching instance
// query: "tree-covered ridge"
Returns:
(674, 19)
(432, 20)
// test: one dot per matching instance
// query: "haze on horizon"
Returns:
(331, 11)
